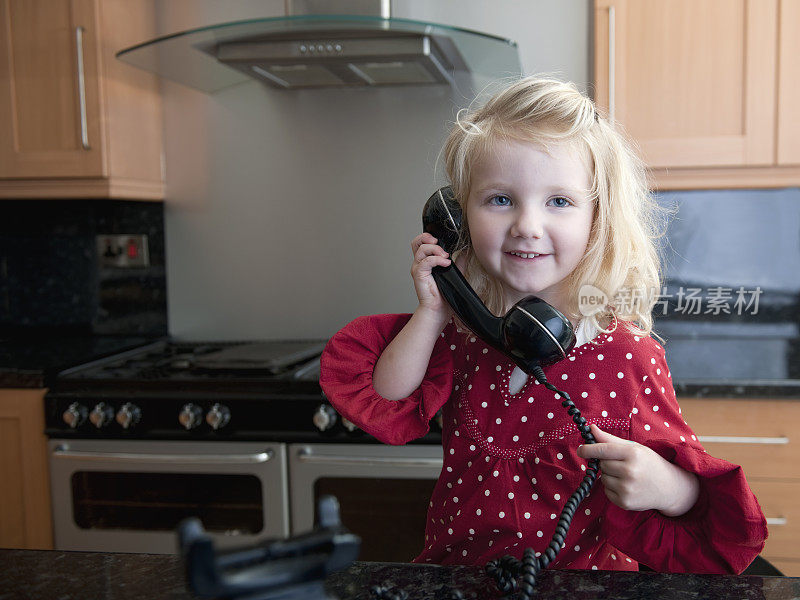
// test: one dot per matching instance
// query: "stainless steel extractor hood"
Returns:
(305, 49)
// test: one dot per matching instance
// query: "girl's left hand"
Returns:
(637, 478)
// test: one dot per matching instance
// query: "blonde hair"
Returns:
(621, 257)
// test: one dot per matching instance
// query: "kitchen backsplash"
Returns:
(51, 276)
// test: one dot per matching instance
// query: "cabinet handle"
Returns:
(735, 439)
(776, 521)
(611, 62)
(81, 88)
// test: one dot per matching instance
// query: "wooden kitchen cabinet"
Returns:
(75, 122)
(708, 89)
(760, 435)
(25, 518)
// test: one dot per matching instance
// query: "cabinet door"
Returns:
(50, 100)
(692, 81)
(25, 518)
(789, 84)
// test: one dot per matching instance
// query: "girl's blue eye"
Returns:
(500, 200)
(560, 202)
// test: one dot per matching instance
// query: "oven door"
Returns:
(383, 492)
(129, 496)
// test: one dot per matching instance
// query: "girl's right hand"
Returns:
(427, 254)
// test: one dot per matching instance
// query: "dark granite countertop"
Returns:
(32, 361)
(54, 575)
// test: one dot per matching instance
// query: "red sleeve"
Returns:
(346, 368)
(724, 531)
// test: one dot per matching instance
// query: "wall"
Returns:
(290, 213)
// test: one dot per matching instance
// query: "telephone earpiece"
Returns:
(531, 333)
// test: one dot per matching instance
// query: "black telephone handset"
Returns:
(533, 334)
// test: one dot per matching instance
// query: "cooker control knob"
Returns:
(102, 414)
(128, 415)
(325, 417)
(349, 425)
(218, 416)
(190, 416)
(75, 415)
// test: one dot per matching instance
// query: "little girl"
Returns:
(552, 199)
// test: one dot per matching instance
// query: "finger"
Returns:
(423, 238)
(604, 437)
(425, 266)
(426, 250)
(604, 451)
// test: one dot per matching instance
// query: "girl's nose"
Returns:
(528, 224)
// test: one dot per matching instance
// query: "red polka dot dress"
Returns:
(510, 459)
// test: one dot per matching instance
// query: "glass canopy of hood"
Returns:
(326, 51)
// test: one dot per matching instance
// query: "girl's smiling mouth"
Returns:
(524, 255)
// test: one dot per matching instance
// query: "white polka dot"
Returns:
(486, 492)
(539, 534)
(552, 515)
(498, 368)
(496, 473)
(559, 456)
(584, 394)
(491, 387)
(614, 556)
(564, 376)
(587, 512)
(472, 447)
(516, 477)
(559, 476)
(646, 390)
(629, 356)
(510, 495)
(577, 548)
(477, 367)
(530, 400)
(490, 439)
(599, 357)
(524, 419)
(655, 408)
(613, 394)
(452, 347)
(556, 496)
(450, 531)
(652, 361)
(549, 415)
(498, 420)
(647, 427)
(534, 496)
(463, 553)
(527, 515)
(666, 424)
(604, 413)
(515, 438)
(455, 499)
(478, 512)
(485, 350)
(683, 439)
(635, 411)
(620, 375)
(484, 404)
(501, 514)
(592, 375)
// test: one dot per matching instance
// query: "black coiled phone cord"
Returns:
(505, 570)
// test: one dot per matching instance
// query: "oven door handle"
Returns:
(306, 455)
(141, 457)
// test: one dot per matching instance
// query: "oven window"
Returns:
(159, 501)
(387, 514)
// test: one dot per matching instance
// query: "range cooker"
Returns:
(237, 434)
